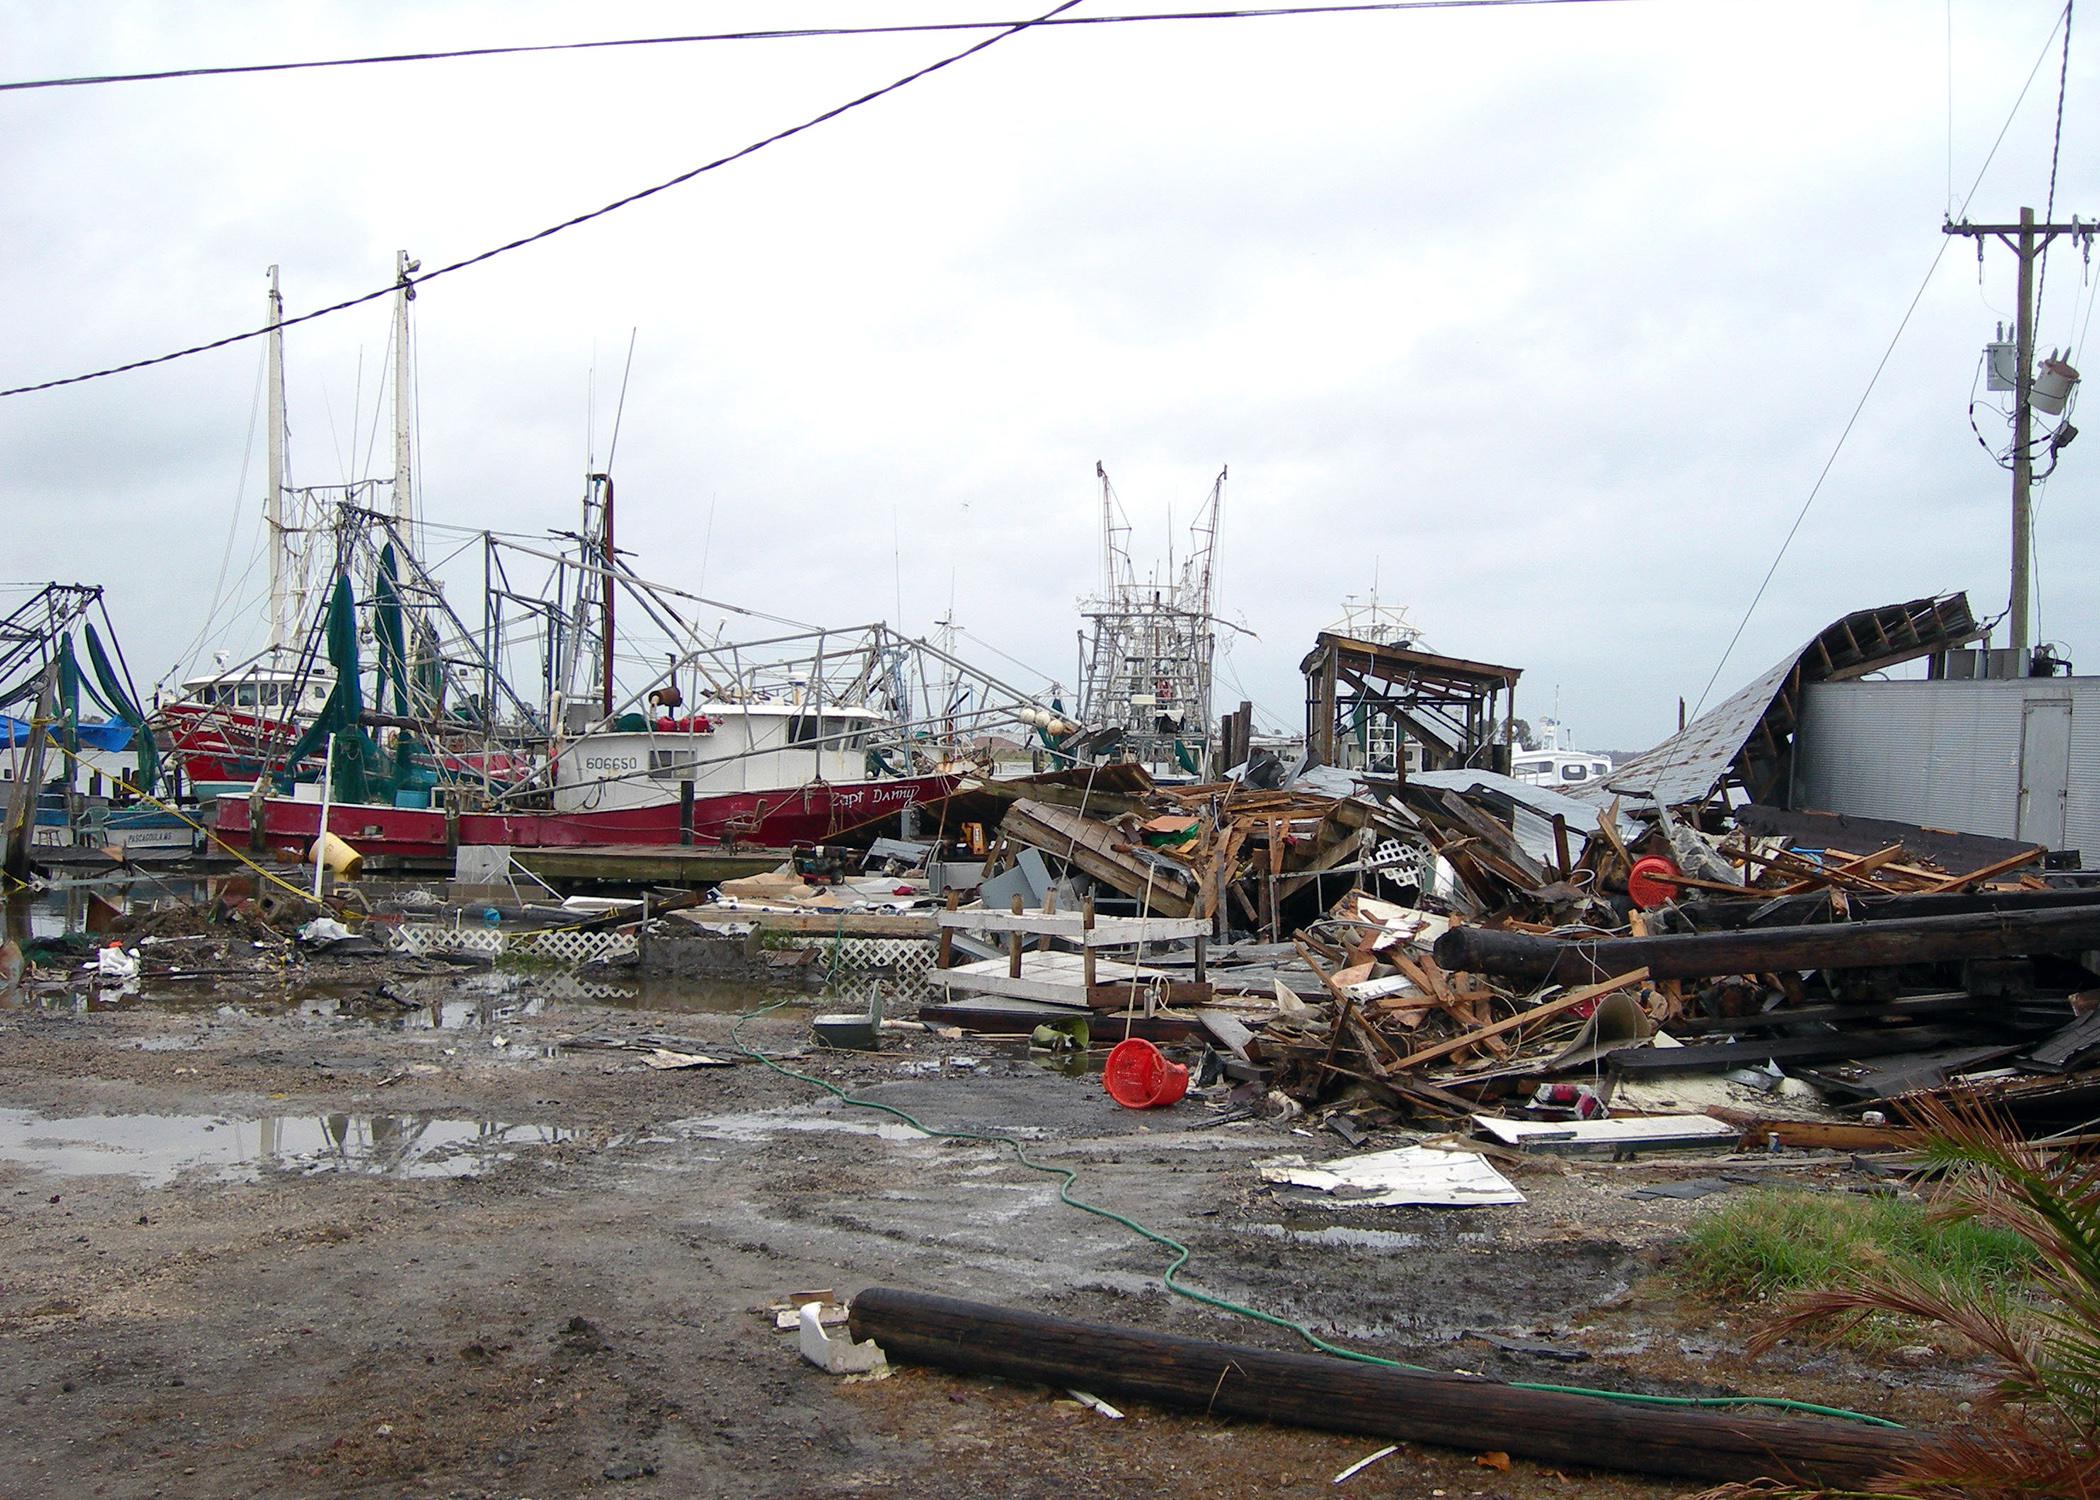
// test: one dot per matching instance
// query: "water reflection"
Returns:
(156, 1148)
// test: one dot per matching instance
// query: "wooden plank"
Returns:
(1107, 932)
(1090, 845)
(2000, 867)
(1522, 1019)
(1865, 865)
(1227, 1030)
(647, 864)
(819, 923)
(1313, 1390)
(1816, 1135)
(1714, 1057)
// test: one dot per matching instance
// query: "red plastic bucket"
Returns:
(1138, 1076)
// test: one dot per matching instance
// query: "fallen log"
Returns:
(1316, 1390)
(1767, 950)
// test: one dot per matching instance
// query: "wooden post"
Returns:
(946, 959)
(1013, 944)
(1086, 945)
(1202, 974)
(1277, 830)
(1317, 1390)
(685, 812)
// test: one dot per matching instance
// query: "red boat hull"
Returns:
(801, 815)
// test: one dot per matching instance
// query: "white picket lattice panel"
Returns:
(494, 942)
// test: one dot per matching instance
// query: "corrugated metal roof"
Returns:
(1717, 747)
(1688, 765)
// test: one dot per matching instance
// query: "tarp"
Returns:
(93, 736)
(387, 632)
(363, 772)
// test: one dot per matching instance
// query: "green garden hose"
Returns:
(1181, 1254)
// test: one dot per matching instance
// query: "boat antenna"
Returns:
(621, 407)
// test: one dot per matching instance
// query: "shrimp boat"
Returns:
(796, 738)
(774, 753)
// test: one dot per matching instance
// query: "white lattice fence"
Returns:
(903, 957)
(495, 942)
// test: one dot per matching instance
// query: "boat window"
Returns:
(1575, 773)
(805, 729)
(670, 765)
(244, 696)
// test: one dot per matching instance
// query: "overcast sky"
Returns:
(1544, 318)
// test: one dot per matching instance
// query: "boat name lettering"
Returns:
(876, 796)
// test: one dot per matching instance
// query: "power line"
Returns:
(1875, 379)
(551, 230)
(2056, 146)
(1262, 13)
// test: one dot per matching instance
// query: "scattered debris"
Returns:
(836, 1356)
(1389, 1179)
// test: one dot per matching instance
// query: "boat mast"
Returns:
(607, 622)
(273, 501)
(404, 462)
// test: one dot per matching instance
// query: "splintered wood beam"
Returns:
(1524, 1018)
(1340, 1395)
(2010, 862)
(1866, 865)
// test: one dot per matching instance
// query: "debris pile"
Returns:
(1459, 943)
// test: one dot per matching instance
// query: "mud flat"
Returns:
(322, 1242)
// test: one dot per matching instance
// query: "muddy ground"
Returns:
(322, 1242)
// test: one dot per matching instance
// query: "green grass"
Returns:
(1776, 1242)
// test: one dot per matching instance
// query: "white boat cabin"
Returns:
(721, 748)
(261, 687)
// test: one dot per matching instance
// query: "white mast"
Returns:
(404, 463)
(281, 564)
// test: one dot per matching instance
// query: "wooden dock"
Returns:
(647, 864)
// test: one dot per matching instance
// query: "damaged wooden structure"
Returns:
(1366, 700)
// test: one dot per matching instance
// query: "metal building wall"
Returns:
(1945, 754)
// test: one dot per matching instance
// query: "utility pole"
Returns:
(2027, 240)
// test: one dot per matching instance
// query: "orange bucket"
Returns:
(1138, 1076)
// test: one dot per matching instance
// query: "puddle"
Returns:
(765, 1124)
(157, 1148)
(1336, 1234)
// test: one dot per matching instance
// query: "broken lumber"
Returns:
(1313, 1390)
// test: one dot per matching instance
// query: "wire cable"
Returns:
(1013, 29)
(457, 53)
(2056, 147)
(1181, 1253)
(1874, 379)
